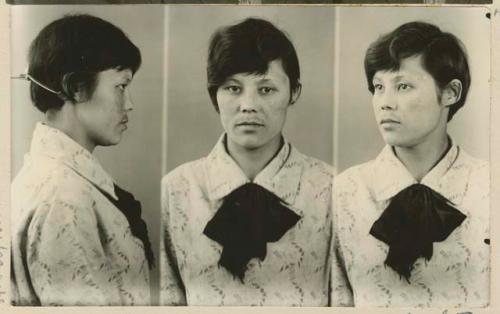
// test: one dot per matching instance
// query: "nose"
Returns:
(128, 104)
(385, 100)
(249, 101)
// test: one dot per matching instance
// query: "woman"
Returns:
(413, 224)
(78, 239)
(250, 224)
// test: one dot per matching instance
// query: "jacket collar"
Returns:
(281, 176)
(55, 144)
(447, 177)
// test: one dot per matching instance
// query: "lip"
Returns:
(389, 121)
(250, 123)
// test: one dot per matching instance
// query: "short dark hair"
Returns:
(68, 53)
(249, 47)
(443, 56)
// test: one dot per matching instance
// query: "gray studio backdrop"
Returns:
(193, 125)
(357, 138)
(135, 163)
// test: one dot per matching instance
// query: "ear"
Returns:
(72, 89)
(451, 93)
(296, 94)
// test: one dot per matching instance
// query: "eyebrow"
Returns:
(261, 80)
(394, 79)
(264, 80)
(231, 80)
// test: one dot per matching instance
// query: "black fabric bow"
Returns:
(131, 208)
(416, 217)
(248, 218)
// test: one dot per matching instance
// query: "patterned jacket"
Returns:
(70, 244)
(296, 269)
(457, 275)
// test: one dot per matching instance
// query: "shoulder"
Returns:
(184, 174)
(49, 182)
(60, 197)
(314, 169)
(316, 177)
(72, 188)
(475, 165)
(353, 177)
(478, 170)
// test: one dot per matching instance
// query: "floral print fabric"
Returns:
(457, 274)
(296, 269)
(70, 244)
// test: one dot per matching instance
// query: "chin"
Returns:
(248, 143)
(401, 143)
(392, 140)
(111, 142)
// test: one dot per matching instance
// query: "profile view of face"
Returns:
(407, 106)
(103, 116)
(253, 107)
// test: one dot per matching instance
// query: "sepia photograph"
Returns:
(250, 156)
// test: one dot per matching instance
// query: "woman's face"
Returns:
(253, 107)
(103, 117)
(407, 106)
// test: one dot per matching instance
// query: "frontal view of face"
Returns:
(407, 106)
(103, 117)
(253, 107)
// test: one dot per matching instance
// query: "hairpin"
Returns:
(28, 77)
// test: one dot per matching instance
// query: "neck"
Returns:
(421, 158)
(65, 120)
(252, 161)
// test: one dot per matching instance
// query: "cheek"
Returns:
(225, 100)
(224, 116)
(109, 111)
(114, 104)
(108, 115)
(221, 99)
(276, 112)
(423, 113)
(375, 105)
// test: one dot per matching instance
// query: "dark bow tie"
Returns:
(131, 208)
(248, 218)
(416, 217)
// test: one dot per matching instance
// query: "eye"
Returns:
(378, 87)
(403, 87)
(266, 90)
(233, 89)
(122, 87)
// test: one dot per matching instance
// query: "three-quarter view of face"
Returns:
(104, 115)
(406, 207)
(312, 156)
(253, 107)
(407, 104)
